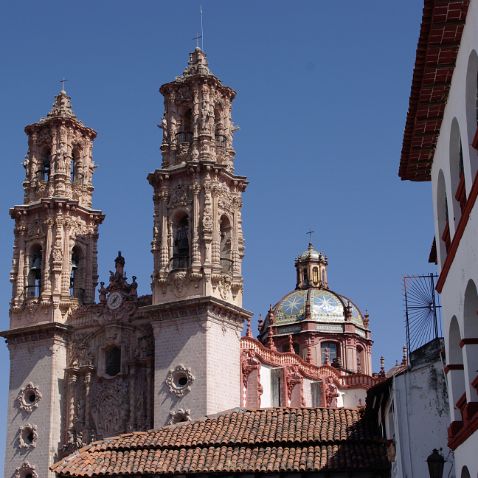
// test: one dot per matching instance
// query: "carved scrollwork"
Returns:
(28, 397)
(179, 197)
(179, 380)
(179, 415)
(26, 471)
(27, 436)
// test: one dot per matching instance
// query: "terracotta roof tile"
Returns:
(438, 44)
(266, 440)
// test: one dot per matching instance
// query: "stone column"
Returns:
(195, 238)
(20, 270)
(46, 289)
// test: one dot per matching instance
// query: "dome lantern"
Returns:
(311, 268)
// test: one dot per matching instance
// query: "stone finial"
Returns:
(382, 366)
(366, 319)
(348, 311)
(270, 339)
(61, 107)
(404, 355)
(260, 323)
(291, 344)
(248, 329)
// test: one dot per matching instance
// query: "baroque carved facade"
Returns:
(86, 369)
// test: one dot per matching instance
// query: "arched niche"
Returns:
(457, 175)
(455, 375)
(77, 274)
(443, 239)
(472, 108)
(35, 271)
(181, 240)
(470, 336)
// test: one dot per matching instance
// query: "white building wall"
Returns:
(41, 362)
(354, 397)
(266, 383)
(420, 420)
(465, 264)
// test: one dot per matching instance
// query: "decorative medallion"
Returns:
(179, 380)
(28, 397)
(27, 436)
(26, 471)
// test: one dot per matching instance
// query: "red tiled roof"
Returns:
(440, 36)
(239, 441)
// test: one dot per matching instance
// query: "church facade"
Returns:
(83, 370)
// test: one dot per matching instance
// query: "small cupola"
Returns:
(311, 268)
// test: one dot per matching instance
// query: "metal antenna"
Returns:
(63, 84)
(202, 30)
(309, 233)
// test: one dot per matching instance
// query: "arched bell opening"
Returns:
(226, 245)
(35, 268)
(44, 170)
(181, 252)
(75, 164)
(77, 279)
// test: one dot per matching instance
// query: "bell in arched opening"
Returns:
(181, 244)
(35, 272)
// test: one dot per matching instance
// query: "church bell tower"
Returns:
(198, 248)
(54, 271)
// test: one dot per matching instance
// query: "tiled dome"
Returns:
(325, 306)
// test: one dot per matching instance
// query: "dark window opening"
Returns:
(113, 361)
(181, 244)
(45, 167)
(330, 349)
(75, 276)
(34, 275)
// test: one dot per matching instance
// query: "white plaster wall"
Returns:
(223, 367)
(354, 397)
(43, 364)
(465, 264)
(306, 387)
(212, 351)
(266, 383)
(420, 420)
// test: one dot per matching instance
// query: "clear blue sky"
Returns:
(323, 92)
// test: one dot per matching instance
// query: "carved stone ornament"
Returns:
(179, 415)
(179, 380)
(26, 471)
(27, 436)
(28, 397)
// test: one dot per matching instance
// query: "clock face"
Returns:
(115, 299)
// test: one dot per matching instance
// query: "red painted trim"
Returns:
(458, 434)
(474, 384)
(461, 403)
(453, 366)
(475, 140)
(458, 235)
(468, 341)
(460, 194)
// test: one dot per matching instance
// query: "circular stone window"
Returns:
(28, 397)
(179, 380)
(26, 471)
(28, 436)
